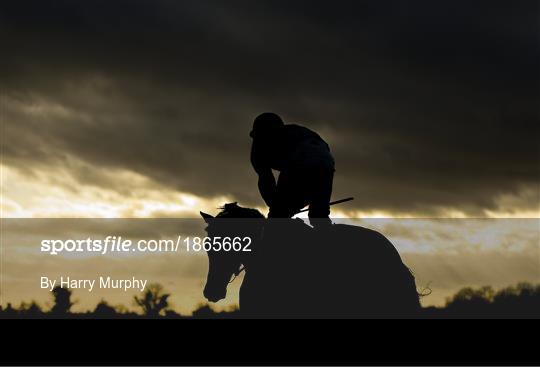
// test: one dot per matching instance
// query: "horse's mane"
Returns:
(233, 210)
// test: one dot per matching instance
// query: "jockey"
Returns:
(305, 164)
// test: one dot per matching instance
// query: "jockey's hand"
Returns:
(279, 212)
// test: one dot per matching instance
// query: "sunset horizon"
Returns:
(425, 113)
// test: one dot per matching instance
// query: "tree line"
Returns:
(518, 301)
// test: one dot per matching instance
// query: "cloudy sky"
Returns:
(143, 108)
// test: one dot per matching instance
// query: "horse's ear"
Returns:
(206, 216)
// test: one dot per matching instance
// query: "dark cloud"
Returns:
(426, 104)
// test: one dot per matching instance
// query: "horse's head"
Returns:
(233, 221)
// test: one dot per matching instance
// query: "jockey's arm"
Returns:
(267, 182)
(267, 185)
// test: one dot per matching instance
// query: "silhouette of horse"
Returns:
(296, 271)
